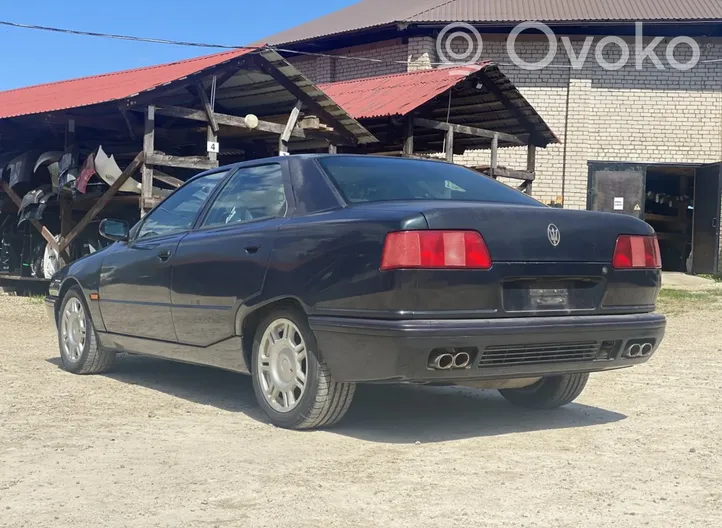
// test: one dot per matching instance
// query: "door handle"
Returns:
(164, 255)
(252, 250)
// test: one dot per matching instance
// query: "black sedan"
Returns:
(314, 273)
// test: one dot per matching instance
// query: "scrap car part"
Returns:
(50, 160)
(108, 170)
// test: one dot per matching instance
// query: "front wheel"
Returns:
(80, 350)
(549, 392)
(292, 383)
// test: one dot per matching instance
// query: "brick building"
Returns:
(636, 137)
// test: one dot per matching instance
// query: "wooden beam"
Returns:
(408, 149)
(467, 130)
(502, 172)
(187, 162)
(224, 119)
(534, 136)
(148, 149)
(450, 145)
(201, 91)
(102, 201)
(306, 99)
(290, 125)
(167, 178)
(44, 232)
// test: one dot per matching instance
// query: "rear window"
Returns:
(371, 179)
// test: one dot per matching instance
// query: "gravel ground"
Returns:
(162, 444)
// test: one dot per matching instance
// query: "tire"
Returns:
(322, 401)
(548, 393)
(91, 357)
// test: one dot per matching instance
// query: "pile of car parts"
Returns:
(42, 180)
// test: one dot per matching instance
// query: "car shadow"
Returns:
(416, 413)
(379, 413)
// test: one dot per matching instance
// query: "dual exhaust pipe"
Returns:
(639, 350)
(450, 361)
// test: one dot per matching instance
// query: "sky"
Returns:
(30, 57)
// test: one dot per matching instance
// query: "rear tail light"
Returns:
(435, 250)
(634, 252)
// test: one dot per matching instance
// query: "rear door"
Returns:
(617, 188)
(706, 230)
(222, 263)
(135, 280)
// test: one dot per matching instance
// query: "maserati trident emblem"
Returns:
(554, 235)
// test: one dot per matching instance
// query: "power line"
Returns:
(120, 37)
(281, 50)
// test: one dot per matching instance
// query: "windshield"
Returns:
(372, 179)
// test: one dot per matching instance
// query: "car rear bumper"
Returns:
(383, 350)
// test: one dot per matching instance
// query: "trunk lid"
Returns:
(520, 233)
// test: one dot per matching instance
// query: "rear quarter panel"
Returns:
(330, 261)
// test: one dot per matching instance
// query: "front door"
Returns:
(135, 289)
(135, 280)
(222, 264)
(706, 230)
(617, 188)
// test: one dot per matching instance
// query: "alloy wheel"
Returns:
(282, 366)
(73, 331)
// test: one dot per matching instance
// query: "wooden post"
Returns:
(66, 219)
(70, 134)
(494, 153)
(128, 124)
(409, 138)
(148, 149)
(290, 125)
(211, 137)
(531, 165)
(450, 145)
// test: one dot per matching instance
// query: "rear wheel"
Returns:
(292, 383)
(548, 393)
(80, 350)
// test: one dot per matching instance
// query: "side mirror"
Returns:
(116, 230)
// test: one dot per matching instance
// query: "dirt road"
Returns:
(162, 444)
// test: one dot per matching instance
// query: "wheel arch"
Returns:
(92, 306)
(249, 317)
(68, 283)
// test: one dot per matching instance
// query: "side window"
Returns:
(251, 194)
(177, 212)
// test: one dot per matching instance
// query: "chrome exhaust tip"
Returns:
(443, 362)
(461, 360)
(634, 351)
(646, 349)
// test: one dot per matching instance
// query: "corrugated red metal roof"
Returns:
(379, 13)
(102, 88)
(395, 94)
